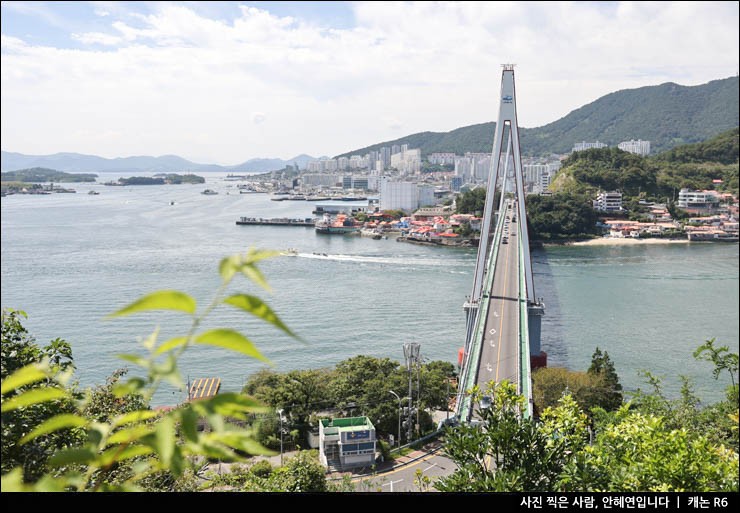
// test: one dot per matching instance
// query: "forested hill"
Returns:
(667, 115)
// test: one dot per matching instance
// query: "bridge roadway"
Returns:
(499, 356)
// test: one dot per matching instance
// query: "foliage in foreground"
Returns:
(650, 443)
(123, 450)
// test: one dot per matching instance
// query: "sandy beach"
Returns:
(616, 241)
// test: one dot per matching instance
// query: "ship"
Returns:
(341, 224)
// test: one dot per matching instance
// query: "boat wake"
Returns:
(386, 260)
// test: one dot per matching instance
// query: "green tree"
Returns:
(609, 390)
(550, 384)
(154, 442)
(640, 453)
(505, 452)
(19, 350)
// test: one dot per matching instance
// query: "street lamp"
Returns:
(411, 353)
(280, 414)
(399, 415)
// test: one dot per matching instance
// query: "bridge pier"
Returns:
(535, 311)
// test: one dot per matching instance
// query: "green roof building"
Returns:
(346, 443)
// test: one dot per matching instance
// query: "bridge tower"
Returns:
(506, 148)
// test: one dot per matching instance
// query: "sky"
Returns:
(224, 82)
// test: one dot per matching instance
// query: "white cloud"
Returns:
(97, 38)
(177, 82)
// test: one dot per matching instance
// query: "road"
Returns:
(500, 349)
(403, 479)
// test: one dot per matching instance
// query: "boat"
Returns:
(340, 225)
(372, 233)
(93, 193)
(209, 192)
(290, 252)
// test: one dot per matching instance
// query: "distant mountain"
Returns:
(667, 115)
(76, 162)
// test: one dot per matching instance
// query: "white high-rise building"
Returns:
(608, 201)
(407, 161)
(587, 145)
(638, 147)
(399, 195)
(442, 159)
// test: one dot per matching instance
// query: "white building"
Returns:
(608, 202)
(638, 147)
(399, 195)
(688, 198)
(443, 159)
(346, 443)
(320, 179)
(587, 145)
(426, 195)
(407, 161)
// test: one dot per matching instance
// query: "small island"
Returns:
(159, 179)
(43, 175)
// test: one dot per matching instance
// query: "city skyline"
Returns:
(224, 82)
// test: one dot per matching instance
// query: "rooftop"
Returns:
(348, 424)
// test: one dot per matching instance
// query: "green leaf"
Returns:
(34, 396)
(160, 300)
(165, 440)
(241, 441)
(257, 307)
(132, 386)
(135, 359)
(117, 453)
(168, 371)
(228, 267)
(23, 376)
(255, 255)
(12, 481)
(231, 340)
(134, 416)
(189, 424)
(150, 341)
(65, 420)
(128, 435)
(73, 455)
(254, 274)
(171, 344)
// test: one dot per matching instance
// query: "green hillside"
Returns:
(667, 115)
(694, 166)
(41, 175)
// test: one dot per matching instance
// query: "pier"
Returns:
(280, 221)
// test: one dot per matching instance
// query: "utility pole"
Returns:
(411, 353)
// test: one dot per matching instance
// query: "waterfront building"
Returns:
(343, 163)
(587, 145)
(698, 200)
(608, 201)
(398, 195)
(346, 443)
(320, 179)
(638, 147)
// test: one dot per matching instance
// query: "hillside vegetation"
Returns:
(667, 115)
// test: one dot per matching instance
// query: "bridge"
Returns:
(503, 315)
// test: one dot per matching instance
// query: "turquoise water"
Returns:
(70, 259)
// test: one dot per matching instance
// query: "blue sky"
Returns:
(223, 82)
